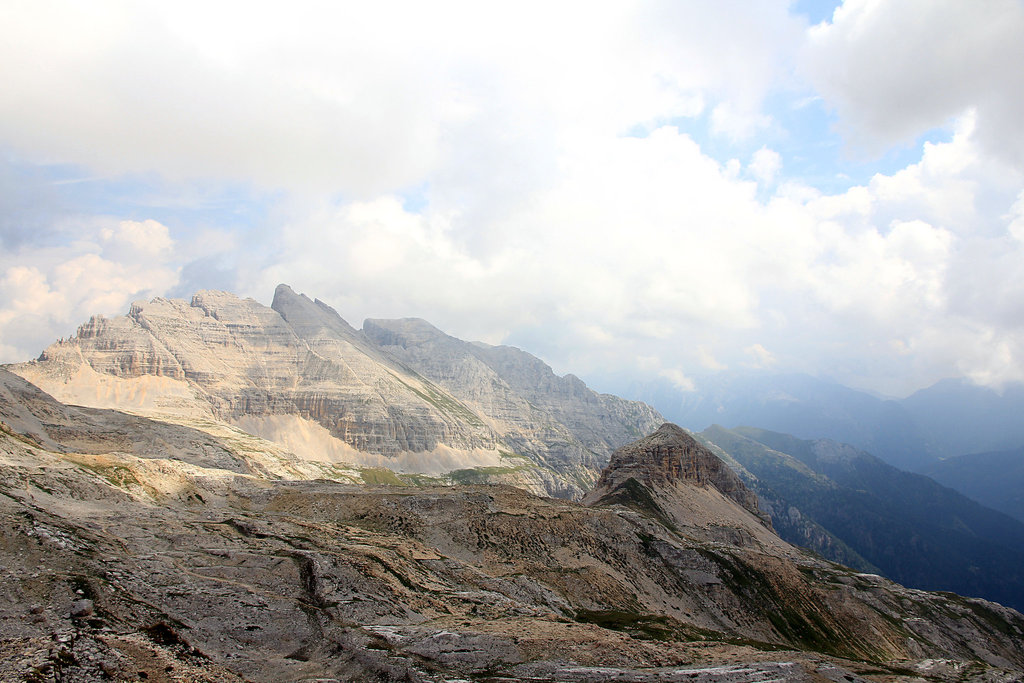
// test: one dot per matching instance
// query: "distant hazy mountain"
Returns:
(795, 404)
(778, 472)
(913, 529)
(959, 417)
(950, 418)
(994, 479)
(406, 397)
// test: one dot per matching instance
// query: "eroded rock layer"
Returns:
(238, 361)
(670, 464)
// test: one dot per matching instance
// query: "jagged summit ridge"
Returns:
(298, 374)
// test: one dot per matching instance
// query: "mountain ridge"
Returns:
(299, 374)
(911, 528)
(950, 418)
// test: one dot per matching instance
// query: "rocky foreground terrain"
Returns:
(399, 394)
(137, 549)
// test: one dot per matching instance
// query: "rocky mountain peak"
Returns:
(668, 459)
(668, 455)
(307, 316)
(94, 328)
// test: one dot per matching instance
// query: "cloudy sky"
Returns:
(649, 189)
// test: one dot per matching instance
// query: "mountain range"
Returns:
(969, 438)
(399, 395)
(950, 418)
(138, 549)
(868, 514)
(215, 489)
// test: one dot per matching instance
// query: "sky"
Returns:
(654, 190)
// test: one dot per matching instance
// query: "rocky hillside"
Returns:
(537, 411)
(670, 473)
(119, 563)
(401, 395)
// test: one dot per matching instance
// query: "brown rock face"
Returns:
(670, 457)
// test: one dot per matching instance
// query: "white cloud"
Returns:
(707, 359)
(765, 164)
(468, 163)
(896, 68)
(1016, 218)
(738, 125)
(759, 357)
(679, 379)
(130, 240)
(45, 292)
(368, 98)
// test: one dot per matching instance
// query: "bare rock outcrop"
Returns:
(672, 475)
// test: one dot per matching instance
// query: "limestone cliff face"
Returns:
(300, 357)
(401, 395)
(519, 394)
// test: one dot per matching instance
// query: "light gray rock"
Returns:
(410, 399)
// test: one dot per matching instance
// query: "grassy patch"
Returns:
(379, 476)
(443, 402)
(382, 476)
(482, 475)
(415, 479)
(118, 476)
(641, 626)
(663, 628)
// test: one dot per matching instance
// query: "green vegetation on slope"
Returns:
(993, 479)
(915, 531)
